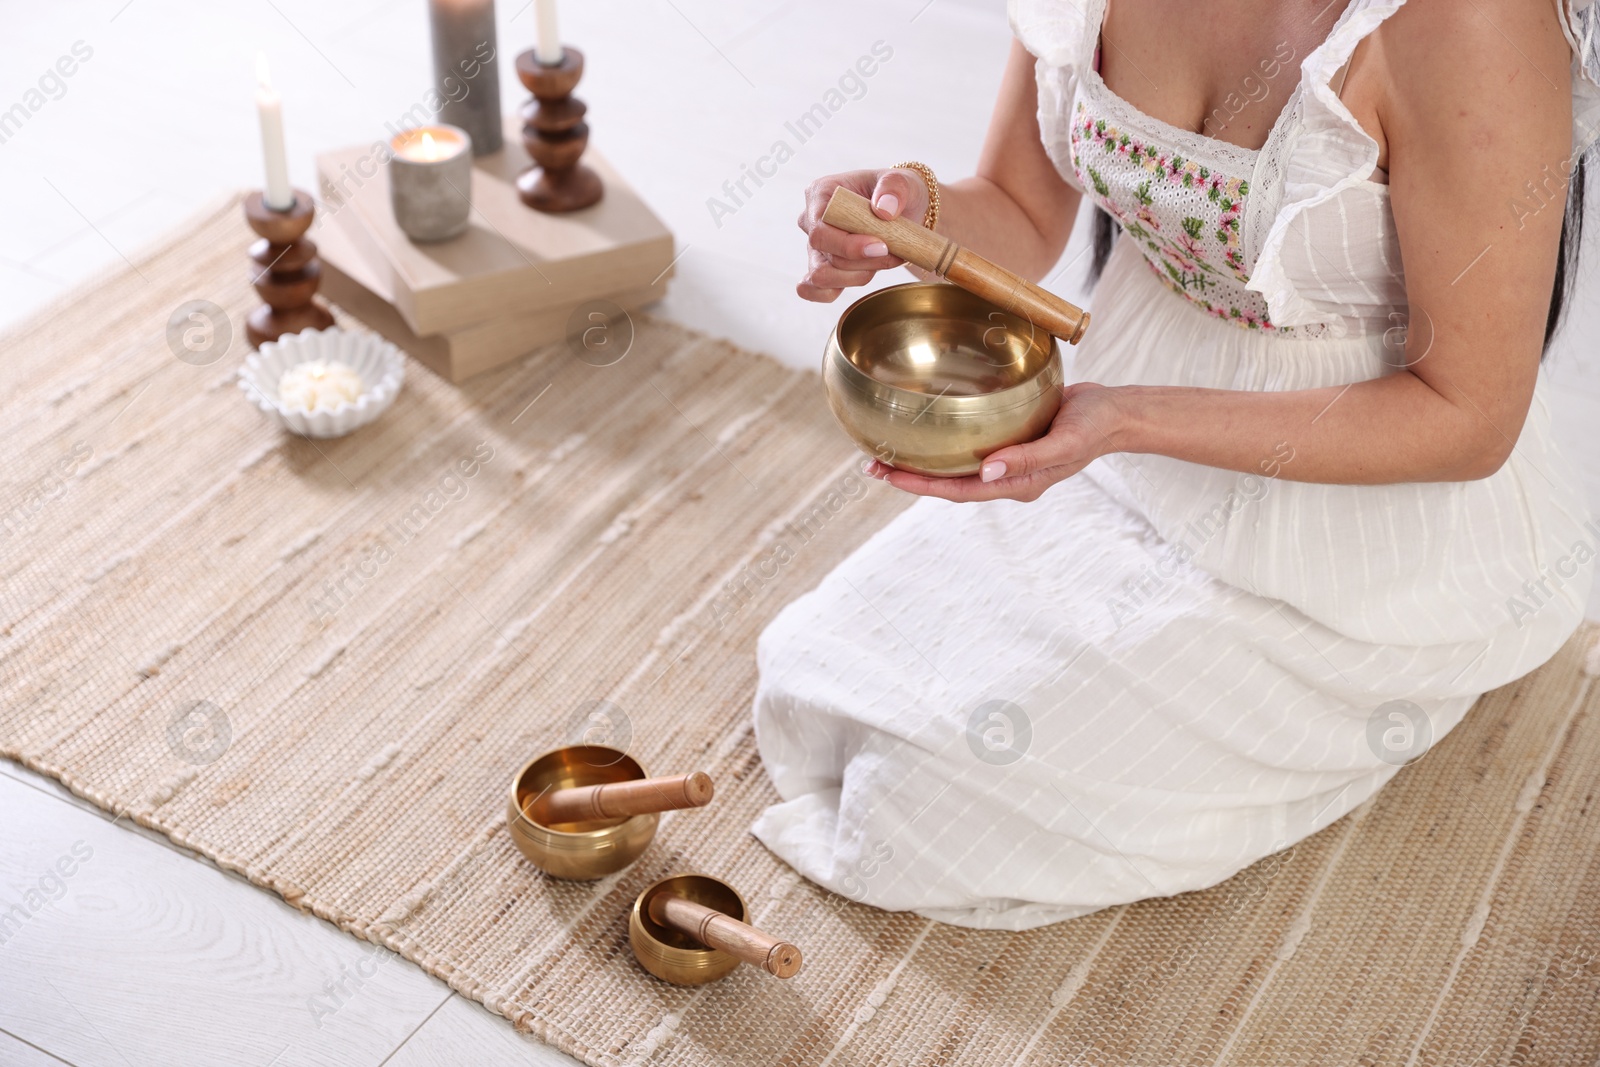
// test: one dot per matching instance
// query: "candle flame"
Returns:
(430, 150)
(263, 76)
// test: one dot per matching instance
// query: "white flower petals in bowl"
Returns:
(323, 383)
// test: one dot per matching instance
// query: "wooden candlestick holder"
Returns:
(286, 270)
(555, 135)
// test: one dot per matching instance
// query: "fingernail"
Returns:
(889, 204)
(866, 465)
(876, 249)
(991, 471)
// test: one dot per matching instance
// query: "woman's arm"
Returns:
(1475, 104)
(1017, 210)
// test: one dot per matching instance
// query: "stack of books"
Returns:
(506, 286)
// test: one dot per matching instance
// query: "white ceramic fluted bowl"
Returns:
(379, 363)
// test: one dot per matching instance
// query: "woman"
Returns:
(1301, 508)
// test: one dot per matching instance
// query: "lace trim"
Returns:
(1259, 213)
(1315, 150)
(1329, 153)
(1193, 144)
(1184, 215)
(1227, 156)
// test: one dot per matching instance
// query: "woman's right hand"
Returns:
(839, 259)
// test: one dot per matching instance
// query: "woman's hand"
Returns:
(839, 259)
(1083, 431)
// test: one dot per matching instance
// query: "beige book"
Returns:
(456, 355)
(512, 259)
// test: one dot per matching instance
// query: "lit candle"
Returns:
(319, 385)
(547, 49)
(429, 144)
(430, 182)
(279, 194)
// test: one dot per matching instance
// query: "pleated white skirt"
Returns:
(1002, 715)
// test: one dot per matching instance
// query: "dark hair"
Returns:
(1105, 233)
(1566, 255)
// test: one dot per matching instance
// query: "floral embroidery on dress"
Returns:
(1201, 258)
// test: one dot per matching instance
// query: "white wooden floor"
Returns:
(146, 955)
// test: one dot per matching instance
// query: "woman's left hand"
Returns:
(1082, 431)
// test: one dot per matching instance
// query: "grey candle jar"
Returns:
(431, 197)
(466, 72)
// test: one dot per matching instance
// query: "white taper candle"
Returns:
(279, 194)
(547, 49)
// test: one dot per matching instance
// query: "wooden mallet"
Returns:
(618, 800)
(921, 246)
(719, 931)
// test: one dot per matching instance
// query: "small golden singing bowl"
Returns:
(583, 850)
(930, 378)
(671, 955)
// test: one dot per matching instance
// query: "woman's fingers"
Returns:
(895, 191)
(838, 258)
(825, 274)
(1077, 437)
(828, 238)
(1078, 434)
(824, 281)
(972, 487)
(1019, 461)
(845, 254)
(961, 490)
(808, 291)
(851, 250)
(945, 488)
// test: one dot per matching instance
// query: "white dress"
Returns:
(1007, 714)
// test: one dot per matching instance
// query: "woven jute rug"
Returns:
(319, 664)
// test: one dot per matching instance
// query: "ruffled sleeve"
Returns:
(1053, 31)
(1578, 22)
(1322, 154)
(1326, 151)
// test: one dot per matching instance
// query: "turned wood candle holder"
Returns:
(286, 270)
(555, 135)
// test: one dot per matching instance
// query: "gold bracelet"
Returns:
(932, 215)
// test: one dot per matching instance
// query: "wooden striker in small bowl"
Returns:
(690, 929)
(586, 811)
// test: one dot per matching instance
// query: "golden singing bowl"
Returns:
(676, 957)
(582, 850)
(930, 378)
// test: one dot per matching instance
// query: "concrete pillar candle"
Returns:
(466, 72)
(430, 182)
